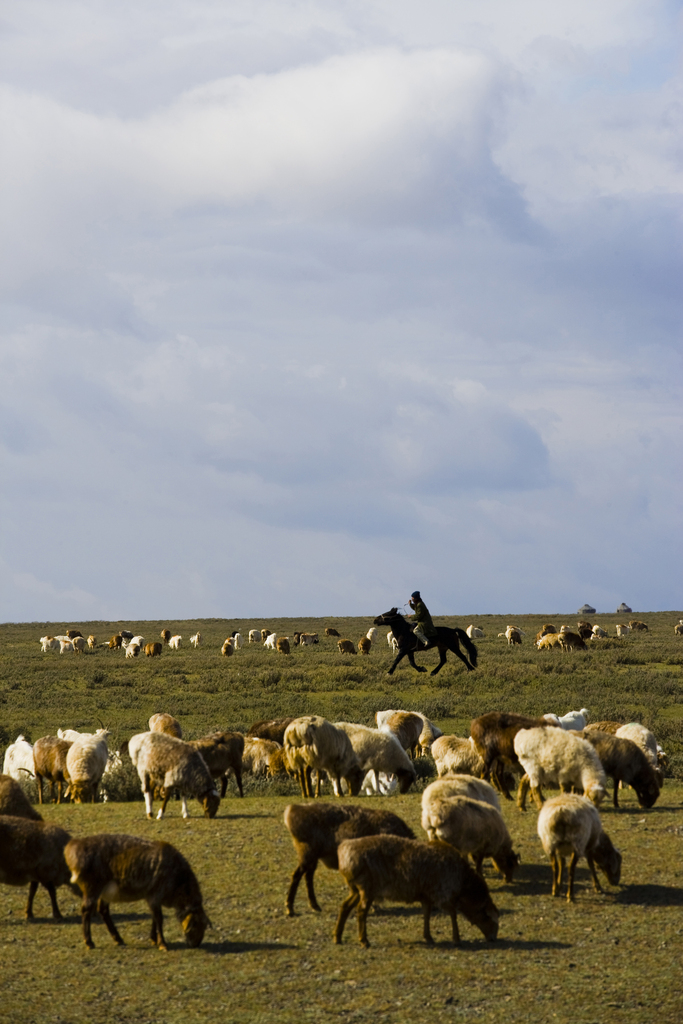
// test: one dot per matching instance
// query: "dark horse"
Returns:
(446, 639)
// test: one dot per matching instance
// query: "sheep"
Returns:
(430, 732)
(153, 650)
(346, 647)
(226, 649)
(49, 643)
(545, 643)
(254, 636)
(222, 752)
(73, 633)
(406, 871)
(678, 629)
(643, 738)
(331, 631)
(372, 634)
(296, 638)
(49, 762)
(364, 645)
(625, 762)
(282, 645)
(163, 722)
(308, 639)
(622, 630)
(126, 634)
(133, 650)
(574, 720)
(570, 824)
(585, 629)
(256, 754)
(18, 760)
(637, 627)
(66, 647)
(380, 752)
(270, 729)
(317, 830)
(493, 735)
(169, 763)
(513, 635)
(391, 638)
(473, 827)
(277, 763)
(92, 642)
(407, 727)
(556, 757)
(115, 642)
(378, 784)
(313, 743)
(265, 633)
(462, 785)
(572, 641)
(32, 853)
(124, 869)
(14, 802)
(86, 760)
(474, 632)
(237, 641)
(598, 632)
(271, 641)
(610, 727)
(175, 642)
(196, 640)
(165, 635)
(455, 754)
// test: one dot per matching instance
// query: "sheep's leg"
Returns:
(478, 861)
(556, 865)
(363, 909)
(157, 933)
(149, 800)
(224, 786)
(426, 915)
(39, 780)
(103, 910)
(32, 890)
(183, 804)
(344, 911)
(318, 782)
(524, 784)
(165, 794)
(591, 865)
(87, 909)
(60, 787)
(537, 795)
(572, 870)
(616, 791)
(238, 780)
(301, 776)
(456, 932)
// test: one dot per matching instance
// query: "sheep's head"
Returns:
(210, 802)
(194, 926)
(481, 911)
(79, 791)
(648, 792)
(506, 863)
(405, 779)
(354, 780)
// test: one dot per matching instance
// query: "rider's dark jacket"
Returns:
(424, 619)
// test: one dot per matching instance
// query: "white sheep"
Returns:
(19, 760)
(49, 643)
(169, 763)
(175, 642)
(570, 825)
(461, 785)
(622, 629)
(132, 650)
(392, 641)
(555, 757)
(379, 784)
(196, 640)
(254, 636)
(86, 761)
(66, 647)
(372, 634)
(573, 720)
(645, 739)
(430, 732)
(378, 752)
(271, 641)
(474, 632)
(457, 754)
(237, 641)
(473, 827)
(598, 631)
(311, 743)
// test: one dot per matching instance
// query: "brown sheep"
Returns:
(226, 649)
(317, 830)
(548, 641)
(163, 722)
(572, 642)
(296, 637)
(72, 633)
(92, 642)
(222, 752)
(407, 728)
(49, 761)
(610, 727)
(123, 869)
(115, 642)
(346, 647)
(270, 729)
(282, 644)
(678, 629)
(32, 853)
(153, 650)
(166, 635)
(265, 633)
(277, 763)
(625, 762)
(637, 626)
(364, 645)
(331, 631)
(13, 800)
(494, 735)
(570, 824)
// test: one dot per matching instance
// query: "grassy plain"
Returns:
(611, 957)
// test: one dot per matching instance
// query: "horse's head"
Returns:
(386, 618)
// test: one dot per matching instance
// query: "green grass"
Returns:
(610, 957)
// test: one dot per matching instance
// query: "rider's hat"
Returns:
(416, 594)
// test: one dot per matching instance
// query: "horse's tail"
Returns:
(468, 645)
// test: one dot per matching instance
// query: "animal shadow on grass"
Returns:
(651, 895)
(227, 946)
(246, 817)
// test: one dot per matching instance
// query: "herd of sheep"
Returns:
(374, 850)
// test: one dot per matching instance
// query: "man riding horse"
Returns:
(424, 630)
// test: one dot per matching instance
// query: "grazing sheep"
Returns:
(296, 638)
(226, 649)
(462, 785)
(574, 720)
(585, 630)
(312, 743)
(513, 635)
(18, 760)
(474, 633)
(79, 644)
(456, 754)
(554, 757)
(378, 784)
(625, 762)
(331, 631)
(254, 636)
(66, 647)
(265, 633)
(372, 634)
(73, 633)
(364, 645)
(571, 641)
(473, 827)
(545, 643)
(48, 643)
(124, 869)
(256, 754)
(308, 639)
(380, 752)
(570, 824)
(175, 642)
(317, 830)
(115, 642)
(678, 629)
(153, 650)
(493, 735)
(282, 645)
(222, 752)
(32, 853)
(133, 650)
(598, 632)
(270, 729)
(271, 641)
(622, 629)
(163, 722)
(49, 762)
(169, 763)
(644, 739)
(430, 732)
(406, 727)
(405, 871)
(196, 640)
(13, 800)
(346, 647)
(86, 760)
(637, 627)
(165, 635)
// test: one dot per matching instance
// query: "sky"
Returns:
(306, 306)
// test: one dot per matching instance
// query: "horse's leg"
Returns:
(399, 657)
(442, 658)
(411, 659)
(454, 646)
